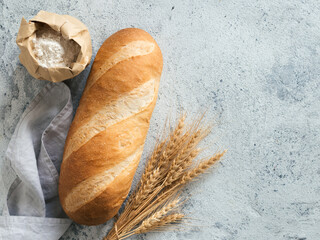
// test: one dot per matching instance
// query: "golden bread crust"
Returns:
(106, 137)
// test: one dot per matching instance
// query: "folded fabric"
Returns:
(30, 172)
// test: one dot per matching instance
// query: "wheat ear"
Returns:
(149, 226)
(201, 168)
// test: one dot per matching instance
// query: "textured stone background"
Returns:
(254, 65)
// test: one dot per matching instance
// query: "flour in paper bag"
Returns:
(51, 50)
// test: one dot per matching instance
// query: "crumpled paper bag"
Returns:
(70, 28)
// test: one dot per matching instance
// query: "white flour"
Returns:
(52, 50)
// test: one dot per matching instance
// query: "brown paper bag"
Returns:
(70, 28)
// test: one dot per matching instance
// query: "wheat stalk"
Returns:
(179, 166)
(201, 168)
(150, 176)
(146, 188)
(149, 226)
(156, 216)
(168, 169)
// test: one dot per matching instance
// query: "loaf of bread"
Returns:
(107, 135)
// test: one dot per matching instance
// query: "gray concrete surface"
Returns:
(254, 65)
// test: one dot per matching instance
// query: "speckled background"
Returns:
(254, 65)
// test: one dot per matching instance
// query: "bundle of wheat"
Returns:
(155, 203)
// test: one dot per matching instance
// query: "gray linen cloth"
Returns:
(31, 207)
